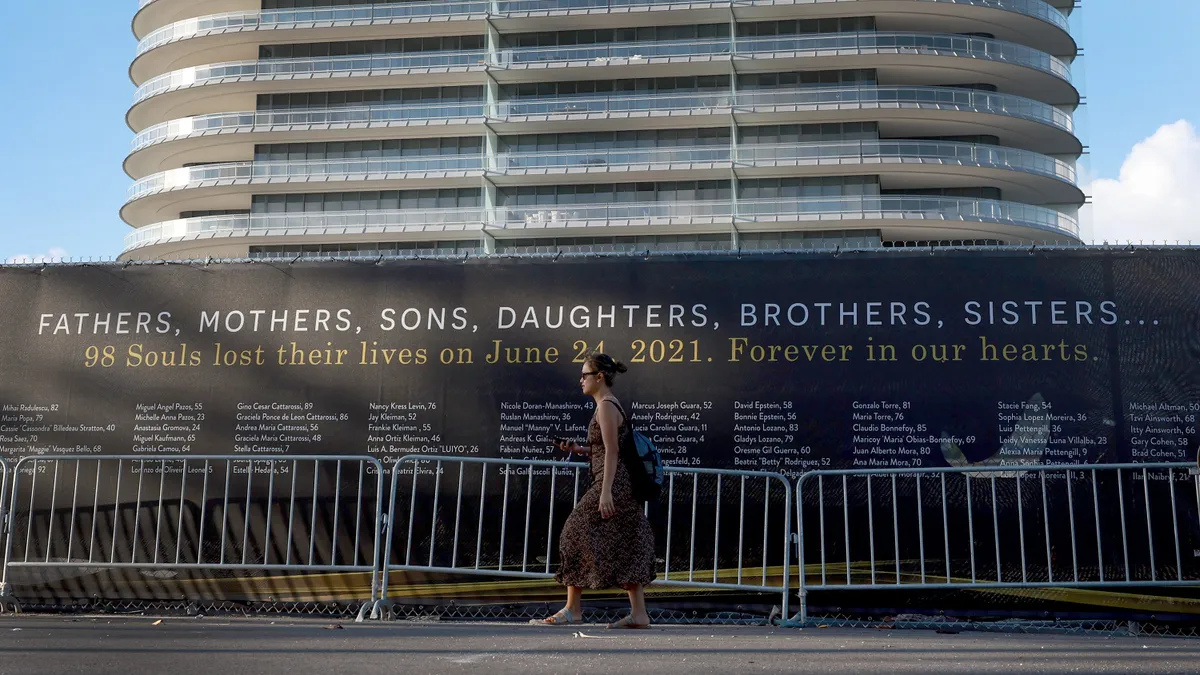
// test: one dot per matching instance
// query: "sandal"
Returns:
(560, 618)
(627, 622)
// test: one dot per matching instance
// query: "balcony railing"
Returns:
(408, 11)
(848, 208)
(625, 53)
(307, 118)
(783, 46)
(929, 152)
(275, 19)
(315, 223)
(880, 152)
(520, 109)
(322, 66)
(302, 170)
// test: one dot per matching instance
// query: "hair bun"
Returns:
(620, 367)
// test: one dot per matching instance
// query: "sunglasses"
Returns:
(588, 374)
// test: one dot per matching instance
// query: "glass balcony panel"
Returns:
(275, 19)
(852, 208)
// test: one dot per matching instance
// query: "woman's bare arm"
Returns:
(607, 416)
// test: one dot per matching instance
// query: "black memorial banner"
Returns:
(787, 363)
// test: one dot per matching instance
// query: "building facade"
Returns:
(286, 128)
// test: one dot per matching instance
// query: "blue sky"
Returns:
(63, 135)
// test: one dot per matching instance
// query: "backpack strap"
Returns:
(624, 417)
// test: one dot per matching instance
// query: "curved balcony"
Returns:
(1022, 122)
(221, 136)
(225, 185)
(307, 68)
(195, 40)
(978, 217)
(1025, 176)
(316, 224)
(1039, 75)
(306, 74)
(868, 43)
(301, 171)
(767, 214)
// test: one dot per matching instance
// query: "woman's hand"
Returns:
(607, 508)
(571, 447)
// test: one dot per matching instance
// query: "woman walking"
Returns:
(607, 541)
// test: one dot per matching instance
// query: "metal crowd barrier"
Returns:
(998, 527)
(105, 526)
(4, 502)
(714, 529)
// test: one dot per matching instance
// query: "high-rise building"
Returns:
(285, 128)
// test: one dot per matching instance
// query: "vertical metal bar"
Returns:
(550, 522)
(717, 534)
(29, 518)
(246, 511)
(117, 502)
(287, 557)
(1046, 529)
(412, 509)
(503, 518)
(137, 512)
(457, 515)
(1021, 526)
(388, 524)
(741, 527)
(479, 528)
(1124, 533)
(1096, 512)
(358, 504)
(203, 509)
(182, 504)
(670, 519)
(821, 523)
(766, 521)
(1175, 525)
(1071, 513)
(895, 529)
(225, 510)
(871, 526)
(528, 510)
(433, 515)
(970, 524)
(921, 526)
(53, 503)
(1149, 528)
(162, 486)
(846, 524)
(337, 512)
(692, 541)
(945, 528)
(95, 513)
(75, 501)
(270, 500)
(787, 548)
(996, 529)
(312, 525)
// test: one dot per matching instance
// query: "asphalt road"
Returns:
(30, 645)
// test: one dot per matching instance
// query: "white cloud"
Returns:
(1157, 196)
(52, 255)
